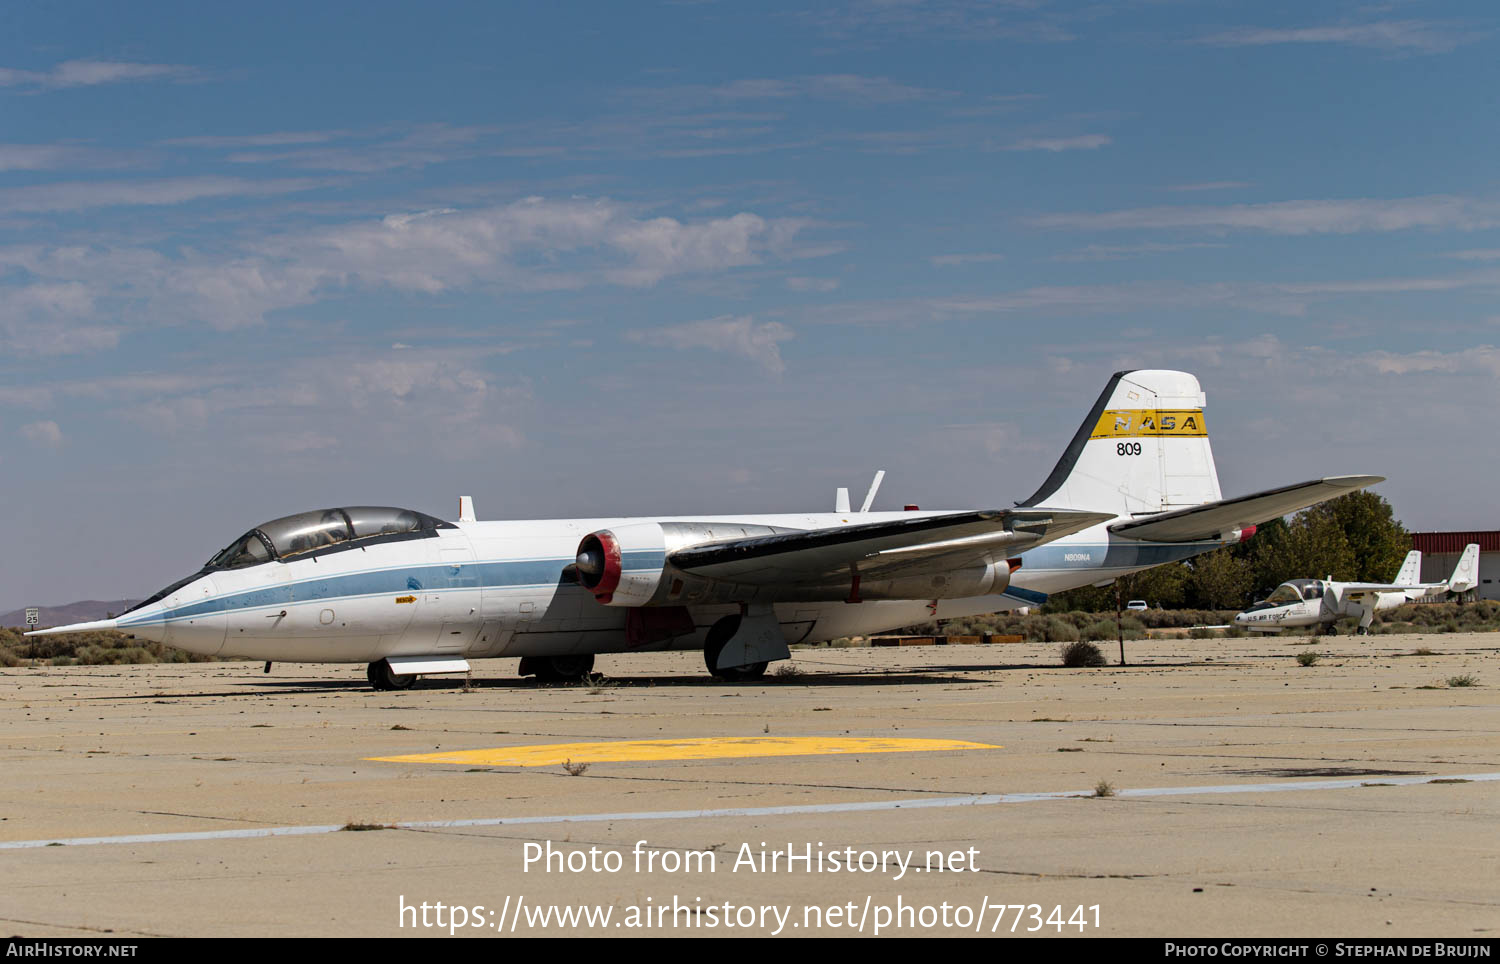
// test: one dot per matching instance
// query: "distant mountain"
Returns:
(76, 612)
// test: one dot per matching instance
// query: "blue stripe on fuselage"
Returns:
(1111, 555)
(472, 575)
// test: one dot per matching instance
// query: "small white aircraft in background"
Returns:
(410, 594)
(1322, 602)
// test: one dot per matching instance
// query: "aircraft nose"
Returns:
(191, 620)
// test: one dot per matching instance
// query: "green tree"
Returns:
(1375, 536)
(1220, 580)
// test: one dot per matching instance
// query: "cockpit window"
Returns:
(247, 550)
(1284, 594)
(307, 531)
(311, 533)
(374, 520)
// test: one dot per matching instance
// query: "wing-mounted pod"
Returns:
(627, 565)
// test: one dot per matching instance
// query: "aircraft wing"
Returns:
(1361, 591)
(882, 549)
(1210, 520)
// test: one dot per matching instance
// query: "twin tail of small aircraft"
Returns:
(407, 593)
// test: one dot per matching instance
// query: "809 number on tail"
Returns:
(1128, 448)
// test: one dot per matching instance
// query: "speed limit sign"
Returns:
(31, 616)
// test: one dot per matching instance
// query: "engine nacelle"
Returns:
(624, 566)
(627, 566)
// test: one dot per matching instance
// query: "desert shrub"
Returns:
(1307, 658)
(1057, 630)
(1098, 629)
(1082, 654)
(98, 648)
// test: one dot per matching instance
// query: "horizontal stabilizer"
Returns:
(894, 546)
(1214, 519)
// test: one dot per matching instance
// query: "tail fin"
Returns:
(1466, 573)
(1410, 573)
(1143, 449)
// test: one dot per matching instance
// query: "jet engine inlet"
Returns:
(599, 564)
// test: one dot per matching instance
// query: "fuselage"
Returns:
(1314, 602)
(502, 589)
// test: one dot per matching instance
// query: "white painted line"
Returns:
(921, 803)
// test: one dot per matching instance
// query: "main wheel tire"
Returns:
(718, 637)
(570, 669)
(382, 678)
(557, 669)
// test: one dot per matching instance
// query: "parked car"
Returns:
(1137, 604)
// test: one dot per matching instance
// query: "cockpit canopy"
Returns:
(324, 529)
(1293, 591)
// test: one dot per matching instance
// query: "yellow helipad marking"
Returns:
(695, 748)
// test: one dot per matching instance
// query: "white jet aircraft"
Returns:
(1320, 602)
(410, 594)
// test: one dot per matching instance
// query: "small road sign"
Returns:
(32, 616)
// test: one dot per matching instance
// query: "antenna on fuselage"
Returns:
(466, 509)
(841, 501)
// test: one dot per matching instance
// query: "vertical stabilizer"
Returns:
(1410, 573)
(1142, 449)
(1466, 573)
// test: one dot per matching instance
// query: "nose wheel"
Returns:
(381, 678)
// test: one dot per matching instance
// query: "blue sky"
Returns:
(597, 259)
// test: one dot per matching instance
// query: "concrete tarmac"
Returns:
(1246, 795)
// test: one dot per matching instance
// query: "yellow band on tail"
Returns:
(1141, 422)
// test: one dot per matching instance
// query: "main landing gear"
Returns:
(718, 637)
(558, 669)
(382, 678)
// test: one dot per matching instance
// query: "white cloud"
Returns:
(1296, 217)
(1414, 36)
(1478, 360)
(278, 139)
(49, 157)
(1211, 186)
(530, 245)
(850, 88)
(1120, 252)
(81, 195)
(45, 434)
(1274, 297)
(743, 336)
(1083, 142)
(665, 246)
(90, 73)
(813, 284)
(949, 260)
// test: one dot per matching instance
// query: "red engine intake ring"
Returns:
(603, 587)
